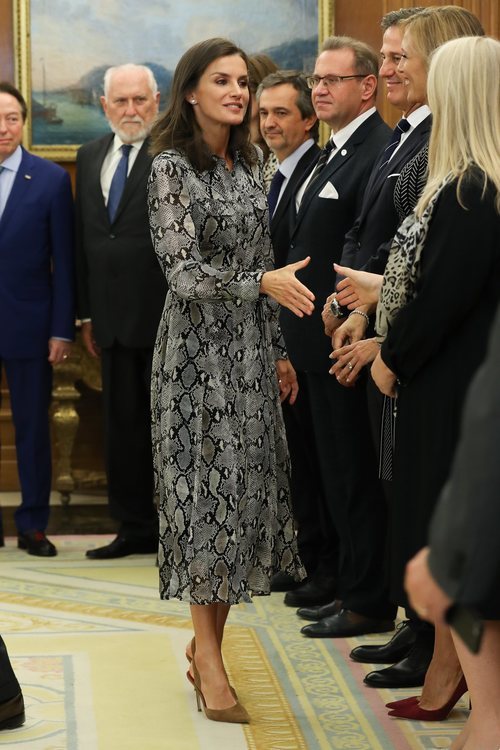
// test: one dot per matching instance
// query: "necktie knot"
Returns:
(118, 182)
(323, 158)
(402, 126)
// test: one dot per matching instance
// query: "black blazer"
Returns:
(465, 531)
(120, 283)
(282, 220)
(379, 219)
(319, 230)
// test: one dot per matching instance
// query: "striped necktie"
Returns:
(323, 159)
(403, 126)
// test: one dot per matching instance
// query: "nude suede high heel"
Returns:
(233, 715)
(189, 675)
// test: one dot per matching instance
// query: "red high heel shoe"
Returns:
(403, 702)
(413, 710)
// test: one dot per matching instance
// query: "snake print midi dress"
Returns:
(219, 448)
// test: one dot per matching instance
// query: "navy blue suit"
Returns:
(36, 304)
(350, 490)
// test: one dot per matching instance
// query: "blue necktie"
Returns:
(403, 126)
(274, 191)
(118, 182)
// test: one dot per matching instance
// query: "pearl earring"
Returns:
(193, 101)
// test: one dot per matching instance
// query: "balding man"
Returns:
(121, 291)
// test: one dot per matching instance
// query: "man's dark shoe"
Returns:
(123, 546)
(36, 543)
(409, 672)
(320, 612)
(283, 582)
(12, 712)
(311, 593)
(388, 653)
(346, 624)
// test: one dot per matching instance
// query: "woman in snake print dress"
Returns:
(220, 366)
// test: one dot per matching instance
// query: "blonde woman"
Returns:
(438, 300)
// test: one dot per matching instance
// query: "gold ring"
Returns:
(349, 365)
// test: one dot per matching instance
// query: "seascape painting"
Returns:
(72, 42)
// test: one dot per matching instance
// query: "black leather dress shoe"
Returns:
(346, 624)
(12, 712)
(283, 582)
(409, 672)
(396, 649)
(311, 593)
(36, 543)
(123, 546)
(320, 612)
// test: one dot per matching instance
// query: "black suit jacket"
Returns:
(120, 283)
(283, 219)
(465, 531)
(379, 219)
(319, 230)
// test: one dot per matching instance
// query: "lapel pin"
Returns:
(343, 152)
(27, 177)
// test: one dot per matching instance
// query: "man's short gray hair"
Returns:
(108, 75)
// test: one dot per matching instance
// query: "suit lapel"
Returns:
(94, 174)
(23, 182)
(378, 176)
(341, 158)
(302, 168)
(142, 164)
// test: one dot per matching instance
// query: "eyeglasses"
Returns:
(331, 81)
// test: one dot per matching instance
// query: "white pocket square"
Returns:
(329, 191)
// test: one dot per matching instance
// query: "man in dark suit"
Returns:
(371, 237)
(327, 203)
(36, 306)
(121, 292)
(290, 127)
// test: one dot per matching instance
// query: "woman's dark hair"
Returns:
(177, 126)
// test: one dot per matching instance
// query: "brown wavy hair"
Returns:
(177, 126)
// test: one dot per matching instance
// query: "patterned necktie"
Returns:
(274, 191)
(323, 158)
(403, 126)
(118, 182)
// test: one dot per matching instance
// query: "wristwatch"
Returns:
(337, 310)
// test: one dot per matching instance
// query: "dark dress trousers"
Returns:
(348, 472)
(315, 534)
(122, 290)
(36, 304)
(465, 530)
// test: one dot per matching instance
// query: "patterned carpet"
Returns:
(101, 662)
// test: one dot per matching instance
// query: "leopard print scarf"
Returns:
(403, 265)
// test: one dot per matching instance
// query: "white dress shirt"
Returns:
(7, 176)
(111, 160)
(339, 138)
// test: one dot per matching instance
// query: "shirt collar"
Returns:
(288, 165)
(343, 135)
(13, 162)
(118, 143)
(418, 115)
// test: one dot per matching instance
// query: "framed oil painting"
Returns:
(63, 48)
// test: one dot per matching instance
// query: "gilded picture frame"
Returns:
(61, 80)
